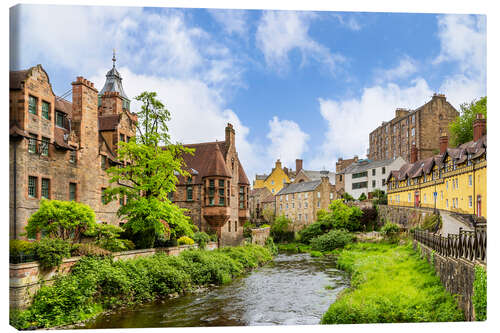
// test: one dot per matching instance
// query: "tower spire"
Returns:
(114, 58)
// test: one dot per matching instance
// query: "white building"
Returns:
(365, 176)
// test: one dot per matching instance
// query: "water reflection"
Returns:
(290, 291)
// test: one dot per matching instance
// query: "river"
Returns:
(294, 289)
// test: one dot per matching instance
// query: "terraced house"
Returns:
(277, 178)
(454, 180)
(60, 149)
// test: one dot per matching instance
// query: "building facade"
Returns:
(301, 201)
(60, 149)
(260, 200)
(365, 176)
(275, 180)
(454, 180)
(340, 166)
(412, 127)
(216, 193)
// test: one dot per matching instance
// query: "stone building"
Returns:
(412, 127)
(275, 180)
(365, 176)
(260, 199)
(453, 180)
(216, 193)
(310, 175)
(301, 201)
(60, 149)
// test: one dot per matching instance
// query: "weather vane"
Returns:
(114, 57)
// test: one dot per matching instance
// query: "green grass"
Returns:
(390, 284)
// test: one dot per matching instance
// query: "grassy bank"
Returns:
(390, 284)
(98, 284)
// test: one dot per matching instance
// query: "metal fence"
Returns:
(469, 245)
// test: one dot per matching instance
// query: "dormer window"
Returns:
(32, 105)
(59, 119)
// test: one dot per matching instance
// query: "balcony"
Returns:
(243, 215)
(216, 216)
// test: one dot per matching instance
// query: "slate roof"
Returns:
(316, 175)
(300, 187)
(261, 177)
(113, 83)
(364, 165)
(64, 106)
(16, 78)
(109, 122)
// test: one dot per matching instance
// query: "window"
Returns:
(170, 196)
(99, 101)
(32, 105)
(305, 204)
(103, 196)
(319, 195)
(441, 195)
(373, 183)
(305, 195)
(359, 185)
(189, 194)
(409, 197)
(413, 131)
(286, 206)
(331, 196)
(32, 186)
(281, 206)
(300, 217)
(446, 184)
(272, 182)
(470, 180)
(360, 174)
(456, 183)
(32, 143)
(59, 119)
(318, 204)
(122, 201)
(340, 177)
(453, 182)
(103, 162)
(122, 137)
(211, 192)
(272, 190)
(72, 156)
(44, 147)
(470, 201)
(413, 119)
(72, 191)
(242, 197)
(45, 188)
(235, 226)
(300, 205)
(229, 226)
(286, 198)
(299, 195)
(425, 198)
(293, 204)
(373, 172)
(305, 217)
(45, 110)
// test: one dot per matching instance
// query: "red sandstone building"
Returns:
(216, 193)
(59, 149)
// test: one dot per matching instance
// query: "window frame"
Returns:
(33, 109)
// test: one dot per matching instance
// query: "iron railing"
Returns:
(468, 245)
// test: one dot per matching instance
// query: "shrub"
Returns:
(247, 229)
(66, 220)
(51, 251)
(201, 238)
(280, 230)
(368, 219)
(264, 226)
(89, 249)
(362, 197)
(184, 240)
(343, 216)
(20, 247)
(390, 232)
(271, 246)
(432, 222)
(313, 230)
(331, 241)
(480, 293)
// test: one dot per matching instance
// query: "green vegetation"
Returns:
(347, 197)
(265, 226)
(184, 240)
(150, 174)
(247, 229)
(280, 230)
(390, 231)
(389, 284)
(461, 130)
(67, 220)
(432, 222)
(51, 251)
(362, 197)
(96, 284)
(201, 238)
(331, 241)
(379, 197)
(480, 293)
(294, 247)
(107, 236)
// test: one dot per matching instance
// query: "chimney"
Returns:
(229, 135)
(278, 164)
(443, 142)
(401, 112)
(324, 176)
(298, 165)
(413, 154)
(479, 126)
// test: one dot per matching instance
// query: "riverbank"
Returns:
(100, 284)
(390, 284)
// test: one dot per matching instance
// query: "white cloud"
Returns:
(406, 67)
(233, 21)
(280, 32)
(463, 41)
(288, 141)
(350, 121)
(348, 21)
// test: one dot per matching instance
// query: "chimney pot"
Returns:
(413, 154)
(443, 142)
(298, 165)
(479, 126)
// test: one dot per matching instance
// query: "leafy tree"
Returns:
(379, 197)
(151, 166)
(347, 197)
(461, 130)
(281, 229)
(343, 216)
(268, 214)
(66, 220)
(362, 197)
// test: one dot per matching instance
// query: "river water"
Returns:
(294, 289)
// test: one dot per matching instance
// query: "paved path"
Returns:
(451, 225)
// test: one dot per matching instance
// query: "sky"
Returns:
(294, 84)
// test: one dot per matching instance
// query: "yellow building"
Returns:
(275, 180)
(454, 180)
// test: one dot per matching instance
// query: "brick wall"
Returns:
(405, 217)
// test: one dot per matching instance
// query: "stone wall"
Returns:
(25, 279)
(457, 276)
(260, 235)
(405, 217)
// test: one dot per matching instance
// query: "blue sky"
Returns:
(295, 84)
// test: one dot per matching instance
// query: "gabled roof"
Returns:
(300, 187)
(16, 78)
(64, 106)
(316, 175)
(242, 176)
(207, 159)
(261, 177)
(364, 165)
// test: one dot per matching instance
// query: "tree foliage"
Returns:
(66, 220)
(281, 229)
(152, 164)
(379, 197)
(362, 197)
(268, 214)
(461, 130)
